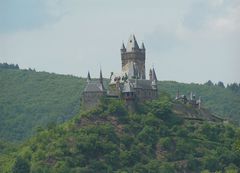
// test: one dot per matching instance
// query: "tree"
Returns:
(21, 166)
(117, 107)
(210, 163)
(166, 168)
(234, 87)
(209, 83)
(221, 84)
(161, 108)
(148, 135)
(231, 169)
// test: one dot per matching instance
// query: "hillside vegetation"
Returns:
(30, 100)
(222, 101)
(111, 139)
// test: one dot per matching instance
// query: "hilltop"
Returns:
(111, 139)
(31, 100)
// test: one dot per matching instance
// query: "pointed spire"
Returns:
(154, 76)
(143, 47)
(123, 46)
(154, 79)
(88, 77)
(150, 74)
(101, 77)
(132, 44)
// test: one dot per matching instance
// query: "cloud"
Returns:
(74, 36)
(229, 22)
(18, 15)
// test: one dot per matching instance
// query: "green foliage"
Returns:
(30, 99)
(166, 168)
(8, 66)
(21, 165)
(234, 87)
(220, 100)
(117, 107)
(99, 141)
(161, 107)
(108, 138)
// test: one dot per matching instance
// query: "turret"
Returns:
(101, 79)
(154, 76)
(123, 48)
(133, 54)
(150, 74)
(88, 77)
(143, 47)
(199, 102)
(154, 79)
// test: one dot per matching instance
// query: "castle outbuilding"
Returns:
(130, 84)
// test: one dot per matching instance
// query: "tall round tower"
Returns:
(133, 58)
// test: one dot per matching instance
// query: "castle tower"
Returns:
(154, 79)
(133, 55)
(93, 91)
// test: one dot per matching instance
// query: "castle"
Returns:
(130, 85)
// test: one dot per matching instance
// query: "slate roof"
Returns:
(142, 83)
(94, 86)
(132, 44)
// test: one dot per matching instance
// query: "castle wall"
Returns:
(91, 99)
(146, 94)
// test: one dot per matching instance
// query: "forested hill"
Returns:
(222, 101)
(111, 139)
(30, 99)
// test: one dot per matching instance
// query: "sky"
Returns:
(186, 41)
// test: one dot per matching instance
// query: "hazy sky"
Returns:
(185, 40)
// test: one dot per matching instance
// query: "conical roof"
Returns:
(132, 44)
(154, 76)
(88, 76)
(101, 79)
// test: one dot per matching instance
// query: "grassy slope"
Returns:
(29, 99)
